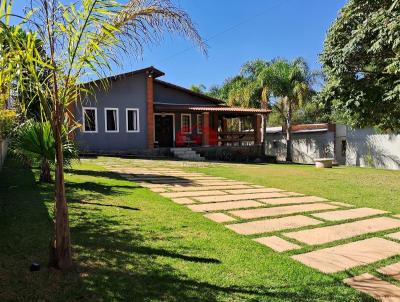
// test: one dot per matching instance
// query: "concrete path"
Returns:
(272, 217)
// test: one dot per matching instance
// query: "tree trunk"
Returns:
(62, 245)
(289, 157)
(45, 174)
(264, 133)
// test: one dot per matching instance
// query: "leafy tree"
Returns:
(200, 88)
(291, 84)
(361, 59)
(80, 40)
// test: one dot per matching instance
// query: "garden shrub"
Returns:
(7, 119)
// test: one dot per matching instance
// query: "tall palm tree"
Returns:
(290, 83)
(81, 40)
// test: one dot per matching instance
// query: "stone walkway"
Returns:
(289, 222)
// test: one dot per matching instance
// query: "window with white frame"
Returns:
(186, 123)
(199, 123)
(132, 120)
(89, 119)
(111, 119)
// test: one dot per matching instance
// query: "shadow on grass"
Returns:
(114, 259)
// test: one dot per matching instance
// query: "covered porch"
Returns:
(184, 125)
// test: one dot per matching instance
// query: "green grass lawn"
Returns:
(131, 244)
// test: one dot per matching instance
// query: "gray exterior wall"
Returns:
(365, 148)
(306, 146)
(124, 93)
(166, 94)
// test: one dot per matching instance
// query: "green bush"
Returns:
(7, 119)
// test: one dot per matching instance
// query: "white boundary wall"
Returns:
(365, 148)
(3, 151)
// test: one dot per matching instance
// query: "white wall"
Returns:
(306, 146)
(365, 148)
(3, 152)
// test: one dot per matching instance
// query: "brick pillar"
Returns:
(257, 129)
(206, 129)
(150, 113)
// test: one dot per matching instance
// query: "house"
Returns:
(141, 112)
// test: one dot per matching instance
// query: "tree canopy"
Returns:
(361, 60)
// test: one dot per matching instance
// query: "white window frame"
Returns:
(116, 122)
(199, 130)
(95, 119)
(190, 122)
(138, 120)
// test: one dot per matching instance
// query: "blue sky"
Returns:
(237, 31)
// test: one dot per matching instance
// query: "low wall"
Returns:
(365, 148)
(234, 154)
(305, 146)
(3, 151)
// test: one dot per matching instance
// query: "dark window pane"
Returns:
(111, 120)
(90, 119)
(132, 120)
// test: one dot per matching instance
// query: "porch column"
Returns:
(206, 129)
(257, 129)
(150, 113)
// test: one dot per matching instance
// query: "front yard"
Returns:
(131, 244)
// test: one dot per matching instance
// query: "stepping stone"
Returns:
(397, 216)
(348, 214)
(158, 190)
(225, 206)
(272, 225)
(183, 200)
(219, 217)
(192, 194)
(257, 186)
(293, 194)
(343, 231)
(375, 287)
(277, 244)
(394, 236)
(342, 204)
(238, 197)
(277, 211)
(347, 256)
(220, 183)
(292, 200)
(255, 190)
(392, 270)
(202, 188)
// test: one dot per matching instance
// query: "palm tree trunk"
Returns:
(45, 174)
(289, 156)
(62, 244)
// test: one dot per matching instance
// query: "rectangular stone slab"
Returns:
(347, 256)
(343, 231)
(277, 211)
(377, 288)
(220, 183)
(342, 204)
(221, 206)
(183, 200)
(192, 194)
(158, 190)
(277, 244)
(348, 214)
(394, 236)
(219, 217)
(203, 188)
(292, 200)
(237, 197)
(272, 225)
(254, 190)
(392, 270)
